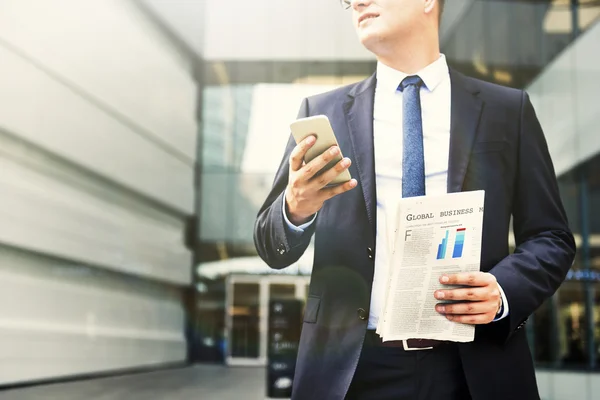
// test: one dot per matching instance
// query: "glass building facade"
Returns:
(253, 91)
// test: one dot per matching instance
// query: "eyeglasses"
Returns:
(346, 4)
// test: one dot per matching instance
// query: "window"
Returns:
(572, 322)
(542, 345)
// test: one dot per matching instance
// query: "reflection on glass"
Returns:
(592, 180)
(570, 193)
(282, 292)
(245, 317)
(572, 325)
(596, 317)
(543, 352)
(208, 322)
(486, 44)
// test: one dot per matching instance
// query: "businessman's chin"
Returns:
(373, 42)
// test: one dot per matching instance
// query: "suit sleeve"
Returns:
(545, 247)
(276, 244)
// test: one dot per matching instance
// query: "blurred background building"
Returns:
(138, 139)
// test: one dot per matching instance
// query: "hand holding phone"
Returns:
(319, 127)
(315, 164)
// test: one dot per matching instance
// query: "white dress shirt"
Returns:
(387, 136)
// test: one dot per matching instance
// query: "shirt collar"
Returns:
(432, 75)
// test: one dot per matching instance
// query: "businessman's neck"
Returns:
(410, 56)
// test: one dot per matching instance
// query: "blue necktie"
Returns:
(413, 160)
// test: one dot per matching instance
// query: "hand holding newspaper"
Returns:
(433, 235)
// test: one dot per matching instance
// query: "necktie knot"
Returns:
(413, 80)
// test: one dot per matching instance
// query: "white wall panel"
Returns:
(59, 319)
(113, 54)
(184, 17)
(565, 98)
(46, 112)
(78, 218)
(97, 154)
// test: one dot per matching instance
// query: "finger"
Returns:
(474, 307)
(469, 293)
(468, 278)
(326, 177)
(471, 319)
(339, 189)
(298, 153)
(316, 165)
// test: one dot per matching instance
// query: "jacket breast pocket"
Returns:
(489, 147)
(311, 311)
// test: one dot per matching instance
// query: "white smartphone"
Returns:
(320, 127)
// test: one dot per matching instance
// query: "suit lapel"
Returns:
(466, 109)
(359, 117)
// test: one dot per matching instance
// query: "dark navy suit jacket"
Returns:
(496, 144)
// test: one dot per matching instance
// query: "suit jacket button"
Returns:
(370, 253)
(362, 314)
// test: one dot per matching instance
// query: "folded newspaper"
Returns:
(432, 235)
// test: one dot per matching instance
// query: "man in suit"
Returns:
(414, 128)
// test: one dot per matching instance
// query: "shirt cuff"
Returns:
(296, 229)
(504, 312)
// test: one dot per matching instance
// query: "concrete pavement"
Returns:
(202, 382)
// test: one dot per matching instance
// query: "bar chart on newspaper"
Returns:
(457, 245)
